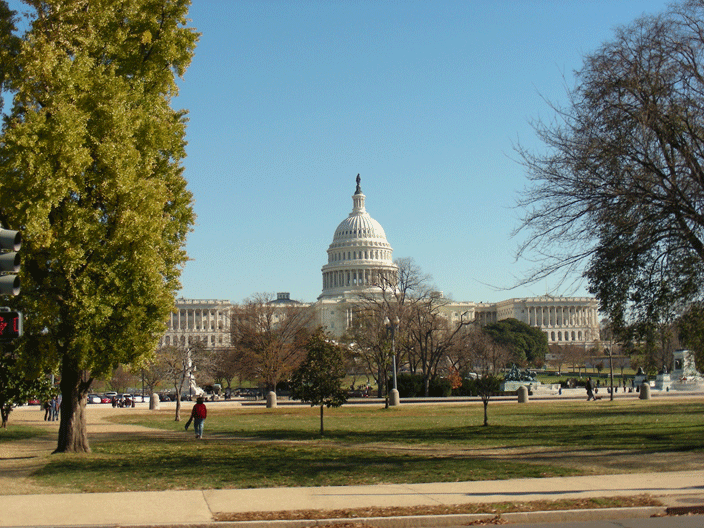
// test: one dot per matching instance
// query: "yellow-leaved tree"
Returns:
(90, 155)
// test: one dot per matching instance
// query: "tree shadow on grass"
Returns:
(649, 437)
(634, 427)
(153, 464)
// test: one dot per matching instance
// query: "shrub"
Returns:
(440, 388)
(468, 388)
(409, 385)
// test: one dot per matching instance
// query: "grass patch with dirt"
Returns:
(20, 432)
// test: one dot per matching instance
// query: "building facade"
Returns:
(202, 320)
(358, 259)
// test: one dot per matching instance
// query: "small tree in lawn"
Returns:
(178, 364)
(487, 385)
(16, 389)
(318, 380)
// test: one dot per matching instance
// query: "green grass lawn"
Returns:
(19, 432)
(257, 447)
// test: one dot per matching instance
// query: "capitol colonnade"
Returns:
(203, 320)
(565, 319)
(561, 316)
(356, 277)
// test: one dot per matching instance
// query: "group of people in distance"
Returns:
(51, 409)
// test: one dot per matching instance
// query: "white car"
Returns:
(94, 398)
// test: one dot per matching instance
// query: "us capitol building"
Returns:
(358, 255)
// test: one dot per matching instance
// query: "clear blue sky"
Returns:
(289, 100)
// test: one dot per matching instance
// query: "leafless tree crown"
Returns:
(620, 187)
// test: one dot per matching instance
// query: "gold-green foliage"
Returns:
(91, 161)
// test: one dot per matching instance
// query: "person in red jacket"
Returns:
(199, 414)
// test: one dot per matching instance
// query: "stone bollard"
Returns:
(154, 402)
(394, 398)
(645, 391)
(271, 400)
(522, 394)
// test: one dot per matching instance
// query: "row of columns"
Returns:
(485, 318)
(367, 254)
(562, 316)
(207, 319)
(354, 277)
(212, 339)
(569, 336)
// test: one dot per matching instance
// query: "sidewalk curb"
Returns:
(438, 521)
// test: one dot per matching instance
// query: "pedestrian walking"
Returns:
(57, 406)
(199, 414)
(590, 389)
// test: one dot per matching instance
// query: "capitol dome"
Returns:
(359, 257)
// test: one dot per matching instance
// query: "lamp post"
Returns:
(611, 363)
(391, 327)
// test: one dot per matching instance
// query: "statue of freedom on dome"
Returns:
(359, 189)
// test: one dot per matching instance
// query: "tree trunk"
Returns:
(486, 419)
(73, 433)
(178, 406)
(322, 431)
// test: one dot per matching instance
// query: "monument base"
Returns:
(662, 382)
(512, 386)
(695, 384)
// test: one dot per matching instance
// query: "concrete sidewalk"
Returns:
(201, 507)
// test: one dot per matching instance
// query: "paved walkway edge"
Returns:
(439, 521)
(199, 507)
(425, 521)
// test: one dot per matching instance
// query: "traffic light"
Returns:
(10, 244)
(10, 324)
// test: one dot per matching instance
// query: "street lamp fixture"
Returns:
(391, 327)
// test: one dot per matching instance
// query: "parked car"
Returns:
(94, 398)
(110, 395)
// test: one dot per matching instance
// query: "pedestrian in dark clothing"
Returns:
(590, 389)
(55, 407)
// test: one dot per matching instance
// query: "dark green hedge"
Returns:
(411, 386)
